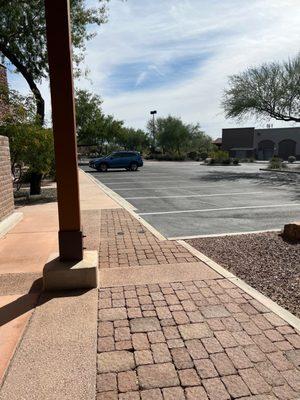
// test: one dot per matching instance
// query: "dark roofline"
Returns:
(244, 127)
(277, 129)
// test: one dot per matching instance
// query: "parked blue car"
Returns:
(130, 160)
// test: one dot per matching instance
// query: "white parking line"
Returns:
(133, 177)
(193, 195)
(170, 187)
(159, 181)
(220, 209)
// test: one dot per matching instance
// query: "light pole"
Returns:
(153, 127)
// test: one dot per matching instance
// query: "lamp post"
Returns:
(153, 127)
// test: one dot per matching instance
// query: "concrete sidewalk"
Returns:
(166, 326)
(24, 251)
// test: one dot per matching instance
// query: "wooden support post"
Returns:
(64, 128)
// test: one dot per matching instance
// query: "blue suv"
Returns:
(130, 160)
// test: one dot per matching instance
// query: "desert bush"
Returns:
(166, 157)
(219, 157)
(226, 161)
(291, 159)
(276, 163)
(193, 155)
(203, 155)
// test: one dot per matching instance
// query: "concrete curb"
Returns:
(223, 234)
(267, 302)
(8, 223)
(279, 171)
(128, 207)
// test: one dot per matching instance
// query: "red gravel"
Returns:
(265, 261)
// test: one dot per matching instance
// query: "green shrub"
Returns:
(219, 155)
(193, 155)
(203, 155)
(276, 163)
(226, 161)
(235, 161)
(291, 159)
(167, 157)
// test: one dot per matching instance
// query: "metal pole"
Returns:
(153, 130)
(64, 128)
(154, 138)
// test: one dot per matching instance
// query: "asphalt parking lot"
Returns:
(183, 199)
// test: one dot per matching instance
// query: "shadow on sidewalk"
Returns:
(34, 298)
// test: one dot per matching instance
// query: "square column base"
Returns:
(70, 275)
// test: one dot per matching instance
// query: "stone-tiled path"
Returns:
(189, 340)
(123, 241)
(193, 340)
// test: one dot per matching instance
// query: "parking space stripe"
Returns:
(169, 187)
(193, 195)
(157, 181)
(220, 209)
(133, 177)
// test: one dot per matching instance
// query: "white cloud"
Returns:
(234, 34)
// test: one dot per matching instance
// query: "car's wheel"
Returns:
(134, 166)
(102, 167)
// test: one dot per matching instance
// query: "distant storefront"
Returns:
(262, 144)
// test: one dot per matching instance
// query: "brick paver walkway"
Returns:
(123, 241)
(194, 341)
(189, 340)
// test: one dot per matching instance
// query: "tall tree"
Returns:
(172, 134)
(23, 38)
(93, 126)
(199, 140)
(89, 117)
(133, 139)
(271, 90)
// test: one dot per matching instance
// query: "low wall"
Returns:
(6, 186)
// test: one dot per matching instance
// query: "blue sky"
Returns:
(175, 56)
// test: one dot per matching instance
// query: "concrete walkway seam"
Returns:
(276, 308)
(153, 274)
(128, 207)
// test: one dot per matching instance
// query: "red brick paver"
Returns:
(217, 343)
(123, 241)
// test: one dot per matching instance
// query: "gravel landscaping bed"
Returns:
(265, 261)
(22, 198)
